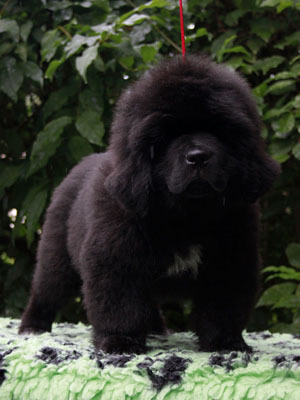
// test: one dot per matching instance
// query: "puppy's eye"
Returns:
(158, 146)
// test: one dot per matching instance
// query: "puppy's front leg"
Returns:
(116, 287)
(227, 290)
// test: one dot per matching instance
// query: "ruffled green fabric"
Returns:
(62, 365)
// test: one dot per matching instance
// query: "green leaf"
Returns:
(284, 75)
(282, 272)
(296, 69)
(273, 268)
(99, 64)
(247, 5)
(219, 44)
(97, 85)
(56, 5)
(126, 62)
(104, 4)
(281, 87)
(296, 101)
(265, 64)
(148, 53)
(225, 47)
(276, 112)
(79, 148)
(270, 3)
(104, 28)
(11, 77)
(290, 40)
(285, 4)
(255, 44)
(136, 13)
(288, 302)
(74, 45)
(135, 19)
(85, 4)
(6, 48)
(49, 43)
(233, 17)
(138, 33)
(199, 33)
(294, 59)
(8, 176)
(83, 62)
(280, 149)
(261, 90)
(22, 51)
(11, 27)
(91, 100)
(275, 293)
(282, 327)
(237, 49)
(284, 125)
(296, 151)
(58, 99)
(293, 254)
(33, 71)
(77, 42)
(32, 207)
(53, 67)
(46, 143)
(25, 30)
(90, 126)
(155, 3)
(263, 27)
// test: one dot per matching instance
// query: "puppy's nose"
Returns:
(197, 156)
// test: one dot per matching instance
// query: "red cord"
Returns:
(182, 29)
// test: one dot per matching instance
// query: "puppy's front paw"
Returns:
(224, 344)
(24, 330)
(120, 344)
(242, 346)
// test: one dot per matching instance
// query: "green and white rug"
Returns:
(62, 365)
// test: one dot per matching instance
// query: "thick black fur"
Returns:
(168, 210)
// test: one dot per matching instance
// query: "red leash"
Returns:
(182, 29)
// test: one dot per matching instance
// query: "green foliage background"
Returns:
(64, 63)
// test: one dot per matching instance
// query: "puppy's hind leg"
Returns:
(48, 295)
(54, 283)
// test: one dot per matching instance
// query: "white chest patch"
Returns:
(190, 262)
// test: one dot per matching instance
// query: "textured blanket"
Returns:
(63, 365)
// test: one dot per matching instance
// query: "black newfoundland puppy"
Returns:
(168, 210)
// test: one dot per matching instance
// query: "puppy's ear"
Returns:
(261, 173)
(129, 183)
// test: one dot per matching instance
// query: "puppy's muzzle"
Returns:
(198, 157)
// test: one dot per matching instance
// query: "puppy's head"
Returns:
(195, 165)
(189, 128)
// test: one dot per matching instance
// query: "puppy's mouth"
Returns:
(198, 189)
